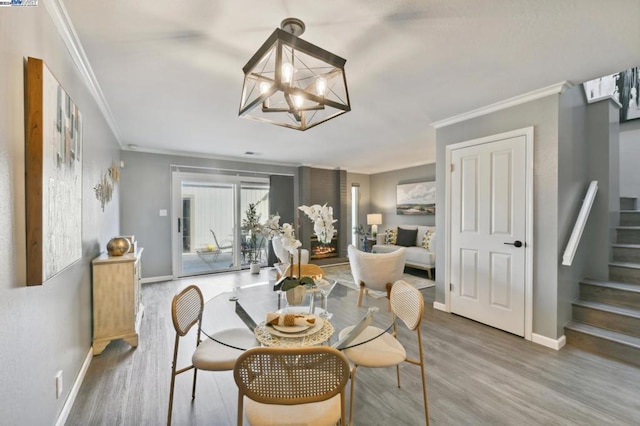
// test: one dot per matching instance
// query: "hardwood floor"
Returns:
(475, 375)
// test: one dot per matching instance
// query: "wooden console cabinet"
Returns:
(117, 308)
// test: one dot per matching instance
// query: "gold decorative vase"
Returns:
(118, 246)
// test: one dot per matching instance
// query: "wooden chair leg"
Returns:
(195, 377)
(360, 294)
(173, 379)
(398, 374)
(353, 385)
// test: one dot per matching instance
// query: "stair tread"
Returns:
(625, 245)
(612, 284)
(604, 334)
(633, 265)
(621, 310)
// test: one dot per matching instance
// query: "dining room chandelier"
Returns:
(293, 83)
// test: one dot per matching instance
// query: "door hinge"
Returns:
(450, 286)
(452, 167)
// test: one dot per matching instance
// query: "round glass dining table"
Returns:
(228, 316)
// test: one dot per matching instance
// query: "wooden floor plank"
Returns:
(475, 375)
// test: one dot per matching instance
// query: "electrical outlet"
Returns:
(59, 384)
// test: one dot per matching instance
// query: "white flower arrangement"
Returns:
(322, 218)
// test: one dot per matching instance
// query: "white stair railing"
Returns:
(581, 221)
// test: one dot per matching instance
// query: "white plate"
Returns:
(291, 328)
(313, 329)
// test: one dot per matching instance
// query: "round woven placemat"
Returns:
(266, 338)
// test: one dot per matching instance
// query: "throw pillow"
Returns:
(390, 236)
(426, 240)
(406, 237)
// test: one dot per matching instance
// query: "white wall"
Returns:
(630, 159)
(45, 328)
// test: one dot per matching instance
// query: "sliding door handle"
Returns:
(179, 225)
(515, 243)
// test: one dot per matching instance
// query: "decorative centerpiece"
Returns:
(322, 218)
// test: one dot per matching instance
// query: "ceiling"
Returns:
(171, 71)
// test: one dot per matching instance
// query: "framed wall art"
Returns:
(624, 87)
(416, 198)
(53, 176)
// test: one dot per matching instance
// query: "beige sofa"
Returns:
(417, 256)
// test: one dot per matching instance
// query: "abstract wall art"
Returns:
(53, 176)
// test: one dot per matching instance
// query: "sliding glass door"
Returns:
(207, 219)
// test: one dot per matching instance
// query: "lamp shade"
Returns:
(374, 219)
(293, 83)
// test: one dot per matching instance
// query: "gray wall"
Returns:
(573, 144)
(543, 115)
(573, 181)
(630, 158)
(383, 195)
(145, 189)
(44, 328)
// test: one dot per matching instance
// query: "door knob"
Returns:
(516, 243)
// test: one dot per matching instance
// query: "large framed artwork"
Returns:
(53, 176)
(624, 87)
(416, 198)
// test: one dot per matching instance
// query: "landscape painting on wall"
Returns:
(416, 198)
(53, 176)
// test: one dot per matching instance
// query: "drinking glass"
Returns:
(325, 287)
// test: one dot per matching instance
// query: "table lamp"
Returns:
(374, 219)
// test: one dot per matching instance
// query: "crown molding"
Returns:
(507, 103)
(67, 32)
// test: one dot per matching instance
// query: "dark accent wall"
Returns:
(320, 186)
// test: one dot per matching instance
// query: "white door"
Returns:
(488, 229)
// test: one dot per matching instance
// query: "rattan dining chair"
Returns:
(292, 386)
(186, 311)
(407, 304)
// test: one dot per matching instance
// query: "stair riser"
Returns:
(611, 296)
(628, 236)
(625, 254)
(629, 218)
(627, 203)
(604, 347)
(624, 275)
(609, 320)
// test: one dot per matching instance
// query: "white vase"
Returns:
(254, 268)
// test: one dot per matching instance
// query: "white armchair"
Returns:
(376, 271)
(284, 256)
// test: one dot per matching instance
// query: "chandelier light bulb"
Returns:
(264, 87)
(321, 86)
(298, 101)
(287, 73)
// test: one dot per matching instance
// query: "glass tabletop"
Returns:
(228, 316)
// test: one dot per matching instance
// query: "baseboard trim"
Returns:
(68, 404)
(440, 306)
(156, 279)
(556, 344)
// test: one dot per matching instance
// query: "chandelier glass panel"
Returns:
(293, 83)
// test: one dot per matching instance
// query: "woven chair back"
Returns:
(407, 303)
(289, 376)
(186, 309)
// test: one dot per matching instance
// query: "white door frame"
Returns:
(527, 132)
